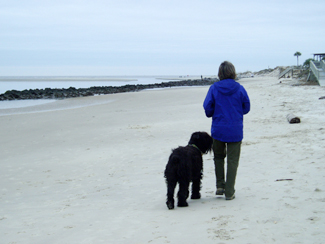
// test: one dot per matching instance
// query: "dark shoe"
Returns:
(182, 204)
(220, 191)
(230, 198)
(196, 196)
(170, 204)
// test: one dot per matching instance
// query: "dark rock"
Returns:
(49, 93)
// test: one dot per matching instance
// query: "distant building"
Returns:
(319, 56)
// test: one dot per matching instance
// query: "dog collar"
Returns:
(193, 145)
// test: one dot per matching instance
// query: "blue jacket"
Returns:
(227, 102)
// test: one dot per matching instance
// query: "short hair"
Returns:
(227, 71)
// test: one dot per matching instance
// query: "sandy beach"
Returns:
(90, 170)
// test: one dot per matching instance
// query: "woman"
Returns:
(226, 102)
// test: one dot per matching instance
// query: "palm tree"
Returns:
(297, 54)
(307, 63)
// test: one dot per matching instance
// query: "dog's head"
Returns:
(202, 140)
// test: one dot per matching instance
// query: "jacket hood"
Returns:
(227, 87)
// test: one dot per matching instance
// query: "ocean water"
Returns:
(42, 82)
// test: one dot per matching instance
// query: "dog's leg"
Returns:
(170, 193)
(183, 193)
(196, 186)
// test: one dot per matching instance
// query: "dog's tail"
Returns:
(177, 167)
(172, 165)
(174, 159)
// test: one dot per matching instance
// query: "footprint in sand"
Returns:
(221, 234)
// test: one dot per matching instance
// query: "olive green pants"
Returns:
(231, 150)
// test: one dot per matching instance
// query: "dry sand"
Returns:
(90, 170)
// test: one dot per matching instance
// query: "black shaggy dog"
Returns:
(185, 165)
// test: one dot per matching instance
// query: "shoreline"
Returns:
(144, 82)
(62, 93)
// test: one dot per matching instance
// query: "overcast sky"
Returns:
(156, 37)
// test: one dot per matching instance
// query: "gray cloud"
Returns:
(178, 36)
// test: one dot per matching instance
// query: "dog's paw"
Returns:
(196, 196)
(182, 204)
(170, 205)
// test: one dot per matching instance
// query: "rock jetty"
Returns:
(49, 93)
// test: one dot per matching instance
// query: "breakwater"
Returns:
(55, 93)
